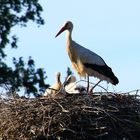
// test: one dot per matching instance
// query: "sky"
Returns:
(109, 28)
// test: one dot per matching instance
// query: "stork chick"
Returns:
(54, 89)
(72, 87)
(85, 62)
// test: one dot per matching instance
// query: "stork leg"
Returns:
(91, 90)
(87, 83)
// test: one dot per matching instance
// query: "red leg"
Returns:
(91, 90)
(87, 84)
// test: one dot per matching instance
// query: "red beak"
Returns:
(61, 30)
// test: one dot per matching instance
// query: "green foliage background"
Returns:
(23, 74)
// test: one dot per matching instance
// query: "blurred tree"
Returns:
(13, 13)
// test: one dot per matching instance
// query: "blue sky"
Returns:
(107, 27)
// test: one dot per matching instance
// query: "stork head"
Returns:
(70, 79)
(67, 26)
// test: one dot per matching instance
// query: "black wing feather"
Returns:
(104, 70)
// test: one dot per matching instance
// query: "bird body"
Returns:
(71, 87)
(84, 61)
(81, 57)
(52, 90)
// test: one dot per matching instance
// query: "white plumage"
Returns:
(84, 61)
(72, 87)
(51, 91)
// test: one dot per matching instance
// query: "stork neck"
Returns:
(58, 79)
(68, 36)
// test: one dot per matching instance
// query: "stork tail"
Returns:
(104, 71)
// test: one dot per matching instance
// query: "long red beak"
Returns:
(61, 30)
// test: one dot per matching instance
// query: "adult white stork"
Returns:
(52, 90)
(72, 87)
(86, 62)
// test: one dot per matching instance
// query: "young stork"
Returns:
(52, 90)
(72, 87)
(86, 62)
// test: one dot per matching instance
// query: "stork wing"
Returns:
(87, 56)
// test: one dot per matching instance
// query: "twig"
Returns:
(92, 84)
(101, 135)
(63, 110)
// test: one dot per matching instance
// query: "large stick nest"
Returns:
(71, 117)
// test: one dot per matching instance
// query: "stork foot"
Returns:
(90, 92)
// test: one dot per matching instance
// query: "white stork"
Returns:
(72, 87)
(86, 62)
(52, 90)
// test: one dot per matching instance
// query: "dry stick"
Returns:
(101, 135)
(111, 110)
(136, 95)
(49, 124)
(92, 84)
(137, 90)
(63, 129)
(43, 121)
(63, 109)
(113, 118)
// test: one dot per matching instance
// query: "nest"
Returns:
(71, 117)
